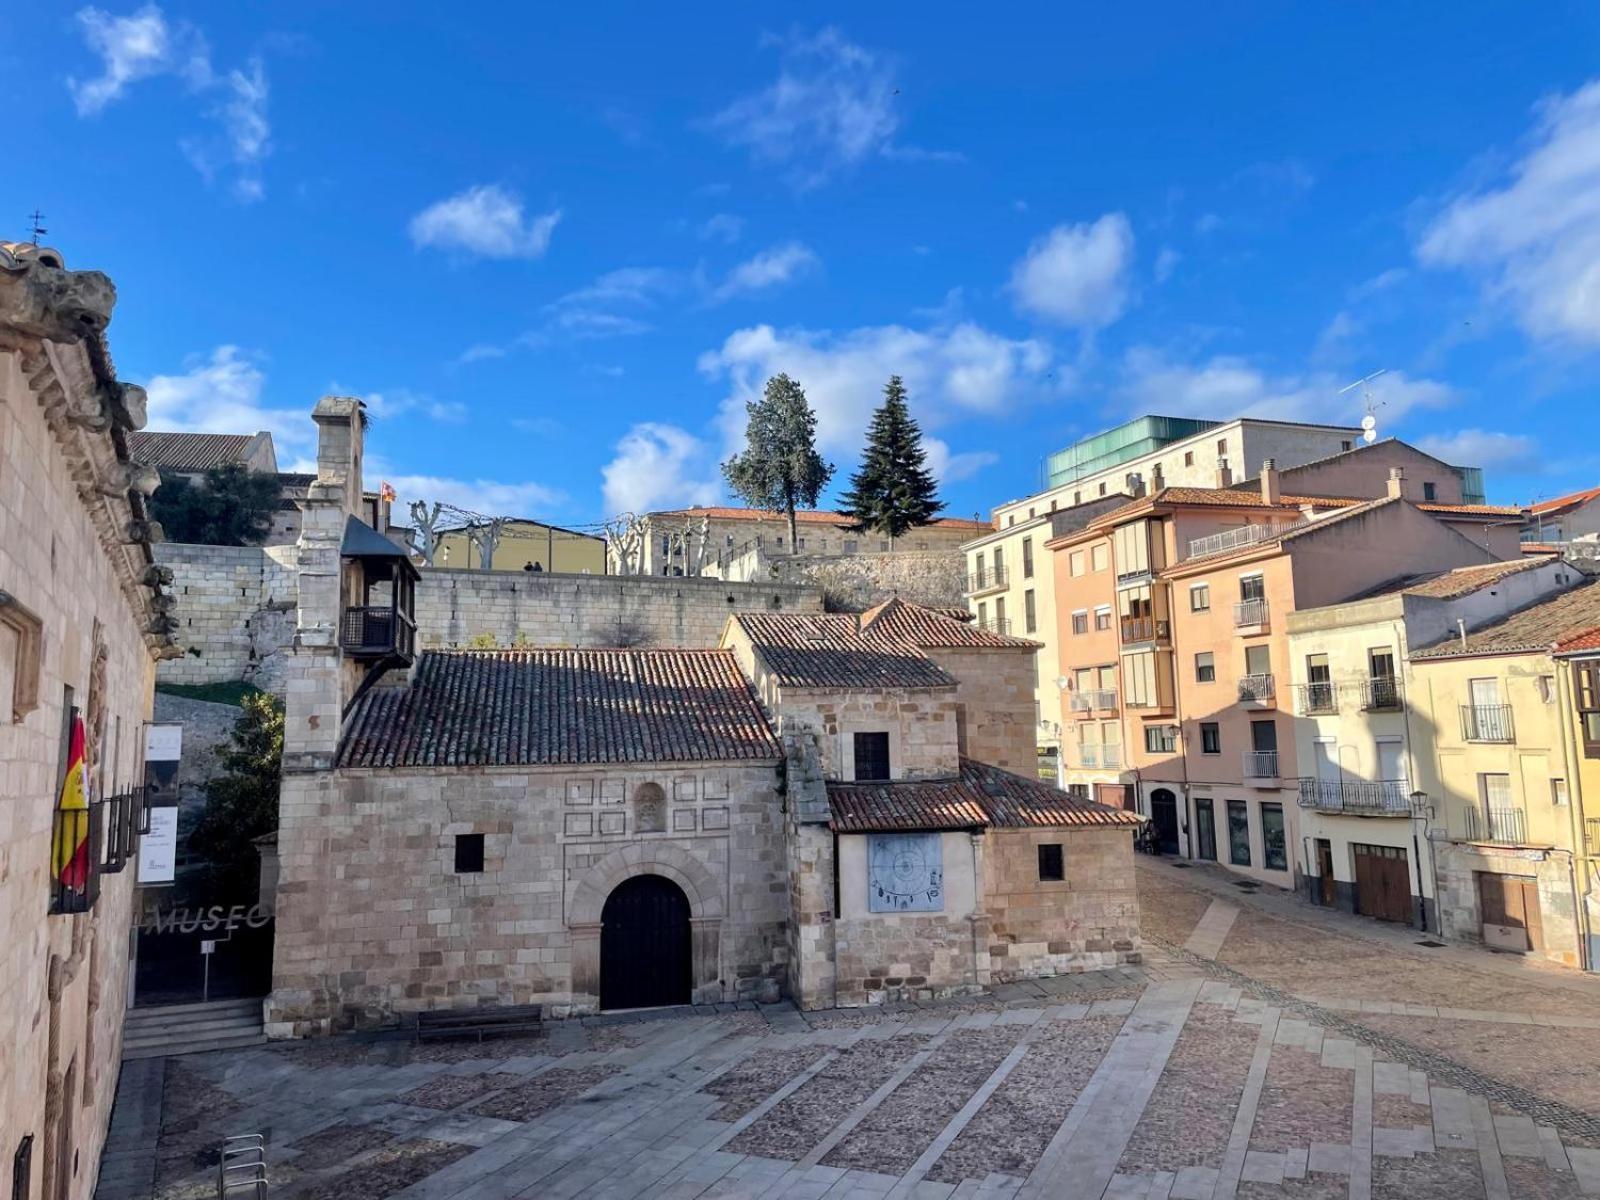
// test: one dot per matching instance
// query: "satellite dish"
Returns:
(1369, 422)
(1370, 436)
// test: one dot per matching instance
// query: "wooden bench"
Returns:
(479, 1022)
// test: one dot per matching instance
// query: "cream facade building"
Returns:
(1508, 835)
(1361, 744)
(82, 622)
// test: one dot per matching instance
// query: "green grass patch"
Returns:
(232, 691)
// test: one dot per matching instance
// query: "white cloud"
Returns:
(722, 227)
(1483, 448)
(1535, 236)
(1228, 386)
(771, 268)
(659, 466)
(223, 394)
(386, 406)
(950, 372)
(145, 45)
(949, 467)
(832, 106)
(1166, 263)
(130, 48)
(486, 220)
(1077, 275)
(630, 285)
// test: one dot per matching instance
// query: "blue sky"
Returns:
(556, 247)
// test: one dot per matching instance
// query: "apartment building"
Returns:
(1577, 659)
(1357, 739)
(1571, 518)
(1507, 835)
(1196, 584)
(1007, 591)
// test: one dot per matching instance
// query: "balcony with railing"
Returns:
(1380, 693)
(1098, 755)
(378, 631)
(1358, 797)
(1257, 689)
(1260, 767)
(1251, 614)
(988, 579)
(1233, 539)
(994, 624)
(1094, 700)
(1508, 826)
(1486, 723)
(1315, 699)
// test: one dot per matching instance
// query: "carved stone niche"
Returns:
(27, 654)
(649, 809)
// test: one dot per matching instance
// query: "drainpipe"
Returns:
(1403, 643)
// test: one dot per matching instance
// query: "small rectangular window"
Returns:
(1210, 737)
(1097, 557)
(1188, 458)
(872, 757)
(1222, 445)
(1052, 863)
(1346, 444)
(469, 853)
(1075, 562)
(1160, 739)
(1430, 492)
(1030, 615)
(1027, 557)
(1200, 597)
(1080, 622)
(1102, 618)
(1205, 667)
(1558, 792)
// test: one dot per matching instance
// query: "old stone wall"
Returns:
(1085, 922)
(543, 609)
(1460, 904)
(235, 612)
(921, 723)
(854, 582)
(63, 977)
(374, 921)
(997, 706)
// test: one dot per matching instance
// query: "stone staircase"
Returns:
(191, 1028)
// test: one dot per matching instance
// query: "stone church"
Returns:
(841, 809)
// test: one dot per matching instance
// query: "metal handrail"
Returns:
(1232, 539)
(1316, 698)
(1380, 692)
(1506, 825)
(1093, 700)
(1366, 797)
(1260, 764)
(1486, 723)
(1257, 687)
(1251, 612)
(980, 581)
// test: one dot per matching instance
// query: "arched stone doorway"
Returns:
(1164, 819)
(646, 953)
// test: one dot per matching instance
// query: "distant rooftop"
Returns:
(188, 451)
(1123, 443)
(1535, 627)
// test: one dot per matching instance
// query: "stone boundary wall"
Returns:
(454, 607)
(235, 611)
(854, 582)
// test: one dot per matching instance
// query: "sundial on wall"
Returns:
(905, 873)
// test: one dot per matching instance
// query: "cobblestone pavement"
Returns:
(1246, 1058)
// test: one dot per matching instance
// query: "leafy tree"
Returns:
(230, 506)
(894, 490)
(780, 468)
(242, 802)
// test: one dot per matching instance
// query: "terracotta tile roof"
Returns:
(933, 628)
(808, 517)
(1562, 503)
(1463, 581)
(1589, 639)
(980, 797)
(1535, 627)
(187, 451)
(1474, 510)
(829, 651)
(540, 707)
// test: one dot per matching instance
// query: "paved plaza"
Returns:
(1263, 1050)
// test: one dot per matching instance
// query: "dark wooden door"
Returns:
(1164, 816)
(1205, 820)
(1383, 882)
(645, 955)
(1509, 905)
(1330, 891)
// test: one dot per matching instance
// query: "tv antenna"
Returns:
(37, 229)
(1369, 423)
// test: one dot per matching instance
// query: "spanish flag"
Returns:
(72, 817)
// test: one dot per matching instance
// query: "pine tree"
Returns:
(894, 490)
(779, 468)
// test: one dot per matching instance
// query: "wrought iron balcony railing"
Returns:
(1259, 688)
(1362, 797)
(1312, 699)
(1232, 539)
(1380, 692)
(1260, 764)
(994, 624)
(1507, 825)
(1486, 722)
(983, 581)
(1098, 754)
(1094, 700)
(1250, 612)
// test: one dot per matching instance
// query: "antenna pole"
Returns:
(37, 229)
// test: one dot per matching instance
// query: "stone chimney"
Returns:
(1271, 492)
(319, 682)
(1224, 475)
(1158, 478)
(1397, 483)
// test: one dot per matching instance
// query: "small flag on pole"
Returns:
(72, 817)
(386, 492)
